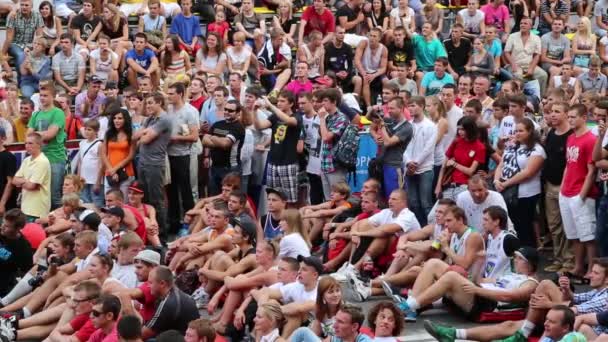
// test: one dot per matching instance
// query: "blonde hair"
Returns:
(116, 18)
(588, 34)
(240, 36)
(272, 310)
(289, 4)
(72, 200)
(294, 221)
(441, 113)
(76, 180)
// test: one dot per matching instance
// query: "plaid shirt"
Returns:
(336, 123)
(591, 301)
(25, 28)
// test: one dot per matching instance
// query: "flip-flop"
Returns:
(577, 279)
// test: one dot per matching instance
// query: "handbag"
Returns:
(122, 176)
(511, 195)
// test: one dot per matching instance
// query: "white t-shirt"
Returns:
(81, 265)
(103, 67)
(125, 274)
(89, 162)
(103, 127)
(296, 293)
(521, 156)
(471, 23)
(238, 59)
(406, 219)
(453, 116)
(474, 211)
(312, 141)
(507, 127)
(406, 22)
(292, 245)
(422, 146)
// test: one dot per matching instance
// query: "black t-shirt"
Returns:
(110, 32)
(458, 56)
(15, 259)
(284, 141)
(286, 26)
(175, 311)
(402, 54)
(236, 133)
(338, 59)
(86, 26)
(346, 11)
(377, 21)
(555, 164)
(8, 167)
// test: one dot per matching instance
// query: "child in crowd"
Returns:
(89, 166)
(220, 25)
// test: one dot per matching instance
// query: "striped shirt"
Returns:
(68, 67)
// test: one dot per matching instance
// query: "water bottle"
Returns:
(247, 334)
(436, 244)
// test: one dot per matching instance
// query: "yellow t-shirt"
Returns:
(20, 130)
(36, 203)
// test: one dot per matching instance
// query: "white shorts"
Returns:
(169, 8)
(578, 217)
(128, 9)
(62, 10)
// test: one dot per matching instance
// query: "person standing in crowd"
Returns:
(34, 179)
(578, 192)
(153, 139)
(118, 150)
(20, 122)
(185, 128)
(49, 123)
(312, 145)
(418, 160)
(8, 167)
(282, 168)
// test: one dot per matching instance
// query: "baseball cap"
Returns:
(95, 79)
(90, 218)
(529, 254)
(323, 80)
(148, 256)
(312, 262)
(135, 186)
(277, 191)
(116, 211)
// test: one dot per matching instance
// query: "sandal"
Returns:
(577, 279)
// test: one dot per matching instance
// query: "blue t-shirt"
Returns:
(495, 50)
(433, 85)
(427, 52)
(186, 27)
(144, 60)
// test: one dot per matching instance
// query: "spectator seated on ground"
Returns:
(58, 221)
(546, 296)
(316, 216)
(370, 237)
(132, 220)
(148, 213)
(298, 298)
(338, 234)
(347, 324)
(414, 248)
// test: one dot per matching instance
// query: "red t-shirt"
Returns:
(147, 310)
(141, 226)
(465, 153)
(83, 327)
(34, 234)
(100, 336)
(198, 103)
(324, 22)
(221, 29)
(579, 152)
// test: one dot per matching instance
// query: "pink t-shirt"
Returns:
(496, 16)
(297, 87)
(579, 152)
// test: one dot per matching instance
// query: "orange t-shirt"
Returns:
(117, 152)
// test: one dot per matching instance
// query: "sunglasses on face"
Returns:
(230, 110)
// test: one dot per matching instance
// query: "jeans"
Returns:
(393, 179)
(420, 195)
(17, 52)
(87, 195)
(28, 87)
(57, 173)
(216, 175)
(602, 225)
(304, 334)
(151, 178)
(123, 187)
(179, 188)
(329, 179)
(522, 214)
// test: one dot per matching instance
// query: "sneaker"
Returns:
(201, 298)
(7, 330)
(554, 267)
(410, 315)
(389, 291)
(441, 333)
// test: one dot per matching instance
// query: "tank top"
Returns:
(271, 230)
(497, 262)
(153, 24)
(314, 61)
(49, 32)
(458, 244)
(371, 63)
(508, 282)
(177, 66)
(103, 67)
(141, 226)
(440, 148)
(117, 152)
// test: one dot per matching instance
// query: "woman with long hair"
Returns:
(329, 301)
(115, 26)
(295, 239)
(117, 152)
(211, 58)
(436, 111)
(434, 15)
(52, 29)
(378, 16)
(174, 62)
(268, 322)
(285, 20)
(403, 15)
(464, 155)
(480, 61)
(100, 269)
(517, 177)
(583, 46)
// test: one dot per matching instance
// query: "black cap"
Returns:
(95, 79)
(277, 191)
(247, 226)
(313, 262)
(89, 218)
(116, 211)
(529, 254)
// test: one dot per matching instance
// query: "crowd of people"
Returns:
(219, 189)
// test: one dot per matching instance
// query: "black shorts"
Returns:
(480, 305)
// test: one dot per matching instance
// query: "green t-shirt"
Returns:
(54, 149)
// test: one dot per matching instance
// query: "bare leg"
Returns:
(317, 228)
(431, 271)
(232, 302)
(591, 253)
(175, 261)
(406, 278)
(292, 323)
(44, 317)
(34, 333)
(579, 257)
(588, 332)
(449, 284)
(365, 91)
(196, 263)
(357, 83)
(19, 303)
(494, 332)
(221, 263)
(282, 79)
(334, 263)
(602, 338)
